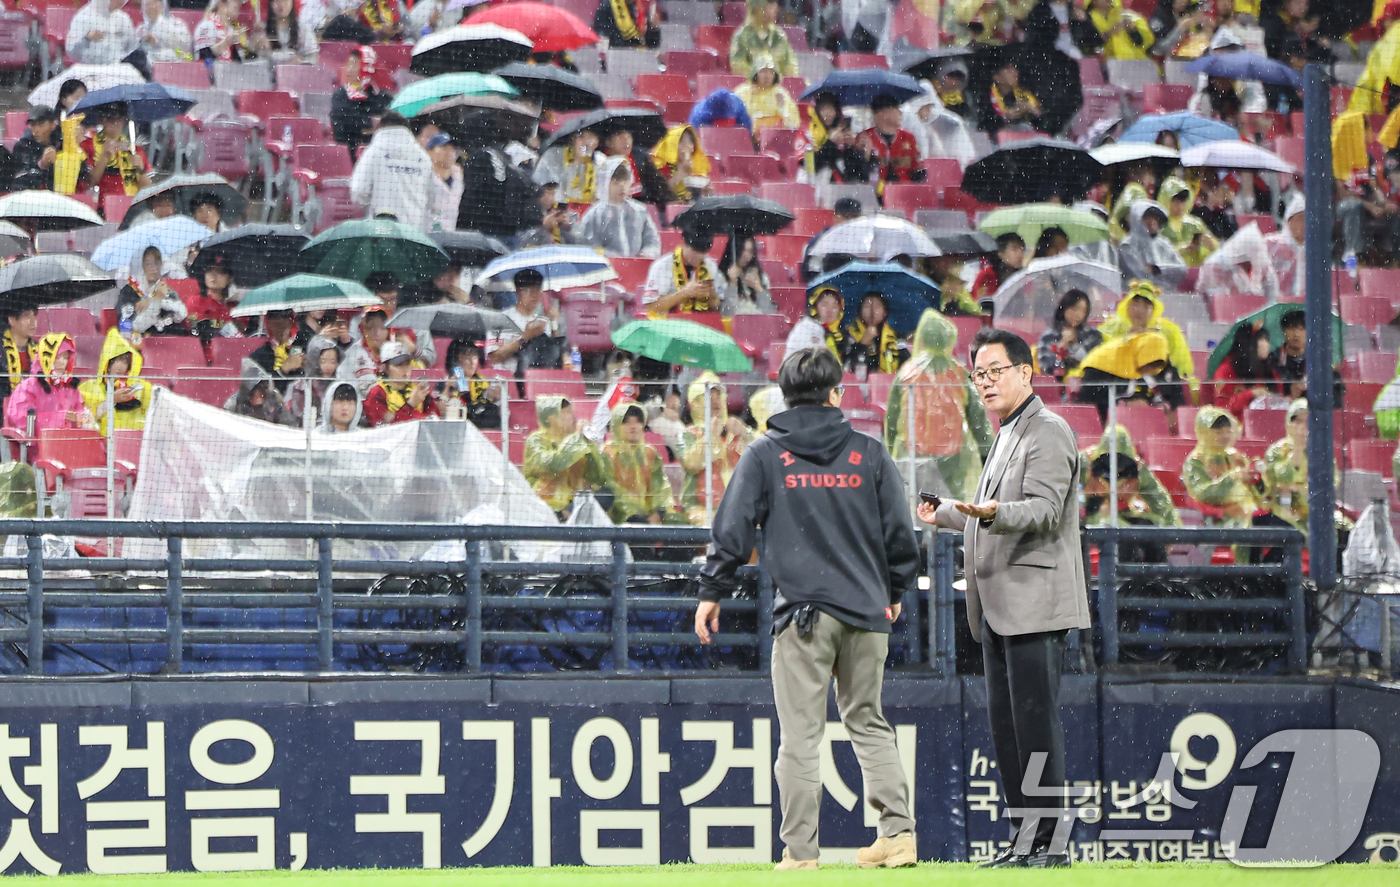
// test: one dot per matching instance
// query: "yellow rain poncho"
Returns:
(952, 433)
(639, 484)
(1133, 41)
(726, 447)
(771, 106)
(558, 466)
(1350, 134)
(1382, 70)
(765, 404)
(1150, 501)
(1284, 474)
(667, 154)
(129, 413)
(1125, 356)
(1216, 474)
(1183, 230)
(1119, 325)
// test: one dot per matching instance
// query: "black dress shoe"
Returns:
(1042, 858)
(1008, 858)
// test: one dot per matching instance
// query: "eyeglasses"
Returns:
(840, 389)
(992, 373)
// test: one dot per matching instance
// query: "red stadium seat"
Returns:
(756, 331)
(262, 104)
(911, 198)
(298, 79)
(322, 172)
(1083, 419)
(1165, 97)
(560, 382)
(753, 168)
(1143, 421)
(790, 194)
(811, 220)
(858, 61)
(1167, 453)
(720, 142)
(691, 62)
(1372, 455)
(589, 322)
(1374, 366)
(1368, 311)
(714, 37)
(225, 148)
(73, 321)
(784, 248)
(167, 353)
(186, 75)
(708, 83)
(942, 172)
(791, 301)
(1230, 307)
(662, 87)
(229, 353)
(1262, 424)
(211, 385)
(631, 273)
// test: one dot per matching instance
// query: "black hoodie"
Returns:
(836, 525)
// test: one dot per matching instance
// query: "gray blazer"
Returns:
(1025, 572)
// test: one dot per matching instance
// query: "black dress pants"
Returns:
(1023, 689)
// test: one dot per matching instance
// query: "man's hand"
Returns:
(293, 363)
(47, 158)
(983, 511)
(532, 329)
(95, 35)
(927, 513)
(706, 620)
(895, 610)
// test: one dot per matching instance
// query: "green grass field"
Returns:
(937, 874)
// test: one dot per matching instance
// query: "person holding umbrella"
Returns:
(686, 280)
(283, 355)
(747, 290)
(1009, 258)
(831, 143)
(765, 98)
(761, 36)
(21, 344)
(116, 167)
(209, 312)
(892, 151)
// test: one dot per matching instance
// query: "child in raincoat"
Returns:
(131, 397)
(1219, 477)
(952, 434)
(1185, 230)
(729, 437)
(679, 157)
(1241, 265)
(1141, 309)
(50, 389)
(642, 494)
(559, 460)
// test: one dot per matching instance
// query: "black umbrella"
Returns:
(1340, 17)
(185, 190)
(926, 68)
(736, 212)
(962, 242)
(470, 249)
(469, 48)
(1033, 171)
(453, 320)
(647, 127)
(259, 253)
(141, 102)
(554, 88)
(513, 119)
(50, 280)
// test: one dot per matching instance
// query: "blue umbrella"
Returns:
(167, 235)
(145, 102)
(1191, 129)
(861, 87)
(907, 294)
(563, 267)
(1240, 65)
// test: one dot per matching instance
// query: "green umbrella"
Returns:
(1029, 219)
(685, 342)
(356, 249)
(305, 292)
(1269, 318)
(417, 96)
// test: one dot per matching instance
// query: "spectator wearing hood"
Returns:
(938, 131)
(560, 459)
(760, 36)
(647, 184)
(768, 102)
(1134, 367)
(340, 409)
(1142, 499)
(1145, 254)
(1192, 239)
(952, 434)
(821, 327)
(1140, 310)
(871, 341)
(361, 97)
(635, 23)
(1125, 34)
(618, 225)
(397, 397)
(834, 156)
(950, 82)
(641, 492)
(361, 365)
(1286, 248)
(679, 159)
(131, 396)
(480, 397)
(954, 298)
(1069, 339)
(892, 152)
(1284, 473)
(257, 396)
(722, 109)
(1381, 76)
(1241, 265)
(49, 389)
(747, 289)
(100, 33)
(395, 175)
(1247, 373)
(283, 355)
(1217, 476)
(322, 362)
(729, 437)
(1138, 182)
(146, 304)
(573, 166)
(686, 280)
(1222, 98)
(498, 199)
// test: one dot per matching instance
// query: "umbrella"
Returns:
(470, 249)
(647, 127)
(551, 28)
(736, 212)
(1080, 225)
(259, 253)
(186, 189)
(683, 342)
(417, 96)
(145, 102)
(1032, 170)
(1239, 65)
(860, 87)
(1235, 155)
(563, 267)
(1100, 131)
(50, 280)
(960, 242)
(13, 240)
(356, 249)
(878, 238)
(305, 292)
(1132, 152)
(452, 320)
(1033, 292)
(552, 87)
(926, 68)
(1190, 129)
(469, 48)
(1340, 17)
(47, 211)
(1270, 317)
(167, 235)
(514, 119)
(94, 77)
(907, 294)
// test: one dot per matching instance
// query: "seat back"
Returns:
(265, 103)
(74, 447)
(229, 353)
(240, 77)
(305, 130)
(212, 385)
(163, 354)
(298, 79)
(73, 321)
(186, 75)
(331, 161)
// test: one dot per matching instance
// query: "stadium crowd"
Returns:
(1153, 254)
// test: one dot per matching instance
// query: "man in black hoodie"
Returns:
(840, 546)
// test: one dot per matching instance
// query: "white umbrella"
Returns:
(167, 235)
(1235, 155)
(563, 267)
(1131, 152)
(878, 238)
(13, 240)
(47, 211)
(1034, 292)
(94, 77)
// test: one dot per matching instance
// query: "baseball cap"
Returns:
(394, 352)
(42, 114)
(439, 140)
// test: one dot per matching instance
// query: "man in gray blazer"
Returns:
(1025, 581)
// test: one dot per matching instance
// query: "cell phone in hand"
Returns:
(930, 499)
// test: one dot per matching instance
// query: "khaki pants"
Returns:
(802, 671)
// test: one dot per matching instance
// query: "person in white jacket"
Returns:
(447, 183)
(163, 36)
(101, 34)
(617, 224)
(394, 174)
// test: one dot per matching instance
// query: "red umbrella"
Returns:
(551, 28)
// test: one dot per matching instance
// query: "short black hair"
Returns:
(382, 282)
(393, 118)
(882, 102)
(1047, 238)
(634, 412)
(1010, 237)
(527, 277)
(847, 208)
(205, 198)
(455, 349)
(698, 238)
(808, 375)
(1017, 350)
(1292, 319)
(345, 391)
(1127, 467)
